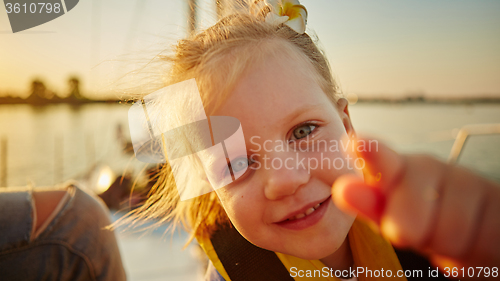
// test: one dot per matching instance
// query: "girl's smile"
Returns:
(306, 216)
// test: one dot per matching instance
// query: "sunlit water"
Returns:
(50, 144)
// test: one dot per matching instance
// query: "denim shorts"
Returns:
(74, 245)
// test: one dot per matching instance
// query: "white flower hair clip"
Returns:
(288, 12)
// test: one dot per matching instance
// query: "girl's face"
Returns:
(283, 201)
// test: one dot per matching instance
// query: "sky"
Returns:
(388, 48)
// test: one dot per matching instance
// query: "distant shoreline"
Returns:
(430, 100)
(69, 100)
(49, 102)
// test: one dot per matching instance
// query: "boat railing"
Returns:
(463, 136)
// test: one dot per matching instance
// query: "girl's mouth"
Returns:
(307, 218)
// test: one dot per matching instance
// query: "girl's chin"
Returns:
(319, 246)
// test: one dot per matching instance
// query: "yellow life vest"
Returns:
(236, 258)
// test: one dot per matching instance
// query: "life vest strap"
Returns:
(244, 261)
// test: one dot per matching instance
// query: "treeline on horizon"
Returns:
(437, 99)
(39, 94)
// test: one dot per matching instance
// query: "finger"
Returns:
(381, 165)
(351, 194)
(408, 185)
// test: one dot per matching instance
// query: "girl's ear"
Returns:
(342, 106)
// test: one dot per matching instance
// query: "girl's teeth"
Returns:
(299, 216)
(309, 211)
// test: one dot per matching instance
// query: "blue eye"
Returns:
(302, 131)
(239, 164)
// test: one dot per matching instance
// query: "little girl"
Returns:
(275, 220)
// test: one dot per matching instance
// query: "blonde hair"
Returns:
(216, 58)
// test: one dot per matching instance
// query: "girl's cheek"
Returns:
(231, 200)
(224, 197)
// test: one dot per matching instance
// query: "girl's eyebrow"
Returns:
(299, 112)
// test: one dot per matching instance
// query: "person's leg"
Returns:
(47, 203)
(56, 233)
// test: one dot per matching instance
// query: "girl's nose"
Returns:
(284, 180)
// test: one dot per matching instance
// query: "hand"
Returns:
(442, 211)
